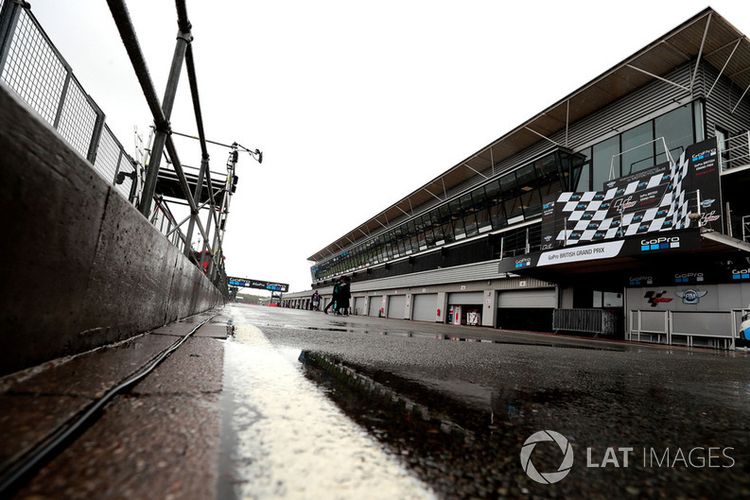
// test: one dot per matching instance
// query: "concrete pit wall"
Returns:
(80, 266)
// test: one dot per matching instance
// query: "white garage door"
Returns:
(459, 298)
(545, 297)
(359, 306)
(375, 304)
(424, 307)
(397, 306)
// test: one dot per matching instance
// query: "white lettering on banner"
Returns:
(587, 252)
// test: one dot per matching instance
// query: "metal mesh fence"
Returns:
(77, 119)
(107, 155)
(34, 70)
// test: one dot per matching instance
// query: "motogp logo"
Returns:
(656, 298)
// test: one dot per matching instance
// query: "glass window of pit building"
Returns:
(641, 147)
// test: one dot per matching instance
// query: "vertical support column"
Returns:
(409, 302)
(197, 197)
(489, 314)
(567, 121)
(160, 138)
(211, 213)
(384, 305)
(367, 305)
(219, 230)
(441, 307)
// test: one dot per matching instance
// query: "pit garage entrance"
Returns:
(526, 309)
(376, 302)
(424, 307)
(465, 308)
(359, 306)
(397, 306)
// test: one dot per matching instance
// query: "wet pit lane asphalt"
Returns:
(325, 406)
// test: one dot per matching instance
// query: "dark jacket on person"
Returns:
(344, 294)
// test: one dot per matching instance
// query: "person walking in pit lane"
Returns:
(334, 299)
(345, 295)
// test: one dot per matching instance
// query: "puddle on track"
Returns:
(282, 437)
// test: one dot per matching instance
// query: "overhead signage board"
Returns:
(654, 200)
(605, 250)
(259, 284)
(641, 246)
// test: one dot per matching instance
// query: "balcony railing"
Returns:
(734, 153)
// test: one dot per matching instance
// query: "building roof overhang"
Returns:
(705, 37)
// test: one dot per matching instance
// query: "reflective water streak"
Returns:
(281, 436)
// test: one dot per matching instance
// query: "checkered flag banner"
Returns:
(650, 201)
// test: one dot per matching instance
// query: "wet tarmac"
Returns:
(317, 405)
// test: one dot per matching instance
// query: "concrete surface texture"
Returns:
(158, 440)
(80, 266)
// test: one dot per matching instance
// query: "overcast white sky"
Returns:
(354, 104)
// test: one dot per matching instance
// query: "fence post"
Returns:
(117, 169)
(527, 248)
(96, 134)
(9, 15)
(63, 94)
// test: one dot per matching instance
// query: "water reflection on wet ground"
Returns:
(465, 451)
(455, 415)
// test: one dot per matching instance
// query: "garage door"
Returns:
(359, 306)
(397, 306)
(424, 307)
(466, 298)
(375, 304)
(543, 298)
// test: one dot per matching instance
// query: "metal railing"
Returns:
(33, 69)
(680, 328)
(521, 241)
(734, 153)
(597, 321)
